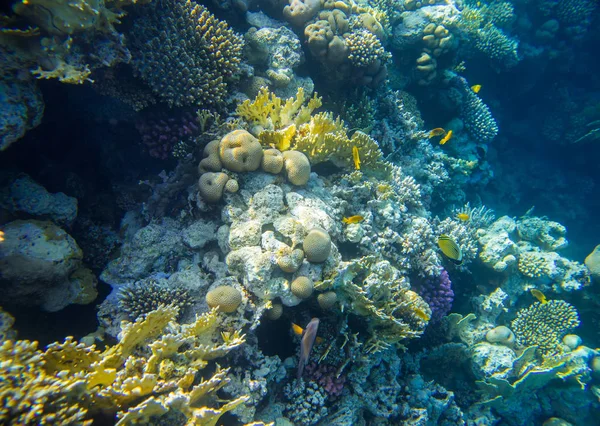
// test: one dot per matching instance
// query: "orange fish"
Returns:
(438, 131)
(1, 236)
(353, 219)
(446, 138)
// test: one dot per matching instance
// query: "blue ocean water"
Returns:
(306, 212)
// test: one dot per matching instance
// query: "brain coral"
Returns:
(317, 245)
(184, 53)
(297, 167)
(211, 186)
(272, 161)
(302, 287)
(224, 297)
(240, 151)
(544, 325)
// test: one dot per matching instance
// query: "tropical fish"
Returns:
(421, 314)
(450, 249)
(308, 340)
(438, 131)
(541, 297)
(356, 158)
(353, 219)
(1, 236)
(446, 138)
(463, 216)
(298, 331)
(476, 88)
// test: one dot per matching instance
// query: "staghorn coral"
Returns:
(69, 381)
(144, 296)
(544, 325)
(185, 54)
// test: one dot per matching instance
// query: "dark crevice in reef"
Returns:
(274, 338)
(46, 327)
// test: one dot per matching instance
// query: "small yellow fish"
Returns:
(450, 249)
(353, 219)
(478, 4)
(476, 88)
(438, 131)
(541, 297)
(446, 138)
(421, 314)
(299, 331)
(356, 158)
(1, 236)
(463, 216)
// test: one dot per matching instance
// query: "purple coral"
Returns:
(326, 376)
(160, 134)
(438, 294)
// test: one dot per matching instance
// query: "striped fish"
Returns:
(450, 249)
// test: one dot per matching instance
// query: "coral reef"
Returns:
(68, 381)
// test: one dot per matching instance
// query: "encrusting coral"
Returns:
(69, 382)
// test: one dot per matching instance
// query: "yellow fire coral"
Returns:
(69, 380)
(267, 112)
(291, 126)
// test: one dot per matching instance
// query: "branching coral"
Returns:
(374, 289)
(544, 325)
(291, 125)
(147, 295)
(69, 381)
(184, 53)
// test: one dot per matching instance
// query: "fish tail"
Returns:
(300, 369)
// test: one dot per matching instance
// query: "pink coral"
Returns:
(326, 376)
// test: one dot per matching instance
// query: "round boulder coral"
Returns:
(275, 312)
(240, 151)
(211, 161)
(225, 297)
(302, 287)
(272, 161)
(327, 300)
(211, 186)
(290, 262)
(297, 167)
(317, 245)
